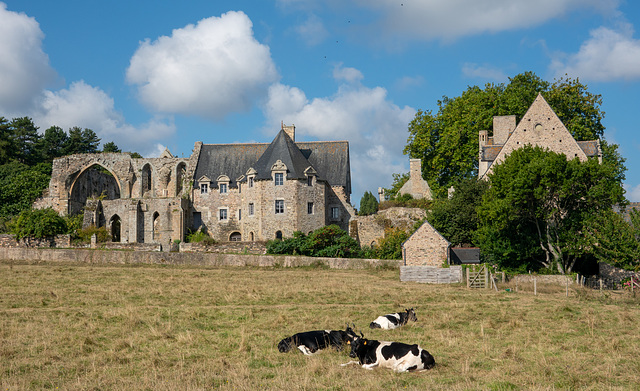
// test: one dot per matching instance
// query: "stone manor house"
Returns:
(234, 192)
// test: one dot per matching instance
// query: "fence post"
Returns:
(601, 284)
(516, 283)
(468, 281)
(567, 283)
(503, 277)
(486, 277)
(535, 286)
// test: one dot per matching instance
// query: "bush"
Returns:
(329, 241)
(200, 237)
(83, 235)
(38, 224)
(390, 247)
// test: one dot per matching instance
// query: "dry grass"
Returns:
(88, 327)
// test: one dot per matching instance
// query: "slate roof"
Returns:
(330, 159)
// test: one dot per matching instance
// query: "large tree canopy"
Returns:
(539, 205)
(447, 141)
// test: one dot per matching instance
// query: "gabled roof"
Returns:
(284, 149)
(330, 159)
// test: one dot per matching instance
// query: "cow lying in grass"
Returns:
(392, 321)
(310, 342)
(394, 355)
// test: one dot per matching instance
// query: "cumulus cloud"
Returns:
(633, 193)
(347, 74)
(607, 55)
(375, 127)
(476, 71)
(24, 67)
(86, 106)
(211, 69)
(312, 31)
(451, 19)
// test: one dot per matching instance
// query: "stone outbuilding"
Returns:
(426, 247)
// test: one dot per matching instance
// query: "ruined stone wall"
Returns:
(337, 197)
(426, 247)
(371, 228)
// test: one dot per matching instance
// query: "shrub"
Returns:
(38, 224)
(83, 235)
(200, 236)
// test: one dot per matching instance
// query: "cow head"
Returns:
(285, 345)
(411, 315)
(357, 344)
(350, 333)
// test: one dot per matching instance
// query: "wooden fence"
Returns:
(431, 274)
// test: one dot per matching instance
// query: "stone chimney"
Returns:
(503, 126)
(290, 130)
(415, 169)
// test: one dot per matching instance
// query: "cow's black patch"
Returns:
(412, 368)
(396, 350)
(427, 360)
(392, 319)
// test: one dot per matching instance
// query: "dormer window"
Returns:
(250, 181)
(310, 173)
(204, 183)
(223, 184)
(278, 179)
(309, 181)
(251, 174)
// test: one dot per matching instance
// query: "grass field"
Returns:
(89, 327)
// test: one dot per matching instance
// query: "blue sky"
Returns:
(154, 74)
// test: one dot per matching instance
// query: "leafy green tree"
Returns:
(456, 218)
(398, 181)
(390, 246)
(368, 204)
(447, 141)
(38, 224)
(6, 151)
(614, 240)
(81, 141)
(136, 155)
(328, 241)
(25, 140)
(21, 185)
(111, 147)
(53, 143)
(534, 213)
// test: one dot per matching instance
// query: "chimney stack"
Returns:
(290, 130)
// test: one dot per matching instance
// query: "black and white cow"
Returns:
(310, 342)
(398, 356)
(392, 321)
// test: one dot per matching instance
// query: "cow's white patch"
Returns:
(305, 350)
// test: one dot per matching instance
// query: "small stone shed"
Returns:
(426, 247)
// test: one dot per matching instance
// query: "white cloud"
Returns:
(24, 67)
(375, 127)
(211, 69)
(312, 31)
(450, 19)
(89, 107)
(607, 55)
(476, 71)
(633, 193)
(350, 75)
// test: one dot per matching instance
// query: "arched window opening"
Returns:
(180, 177)
(115, 228)
(279, 235)
(156, 226)
(251, 236)
(146, 180)
(235, 237)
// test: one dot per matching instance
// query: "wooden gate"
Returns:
(478, 277)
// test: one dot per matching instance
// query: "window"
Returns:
(279, 207)
(223, 188)
(223, 214)
(309, 181)
(278, 179)
(204, 188)
(239, 214)
(335, 213)
(251, 209)
(310, 208)
(251, 181)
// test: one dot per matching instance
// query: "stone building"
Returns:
(426, 247)
(540, 126)
(416, 186)
(235, 192)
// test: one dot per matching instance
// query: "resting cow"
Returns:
(394, 355)
(311, 341)
(392, 321)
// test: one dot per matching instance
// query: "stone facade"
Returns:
(234, 192)
(540, 126)
(368, 230)
(426, 247)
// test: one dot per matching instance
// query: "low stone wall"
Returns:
(229, 247)
(169, 258)
(7, 240)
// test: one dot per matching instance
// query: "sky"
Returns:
(150, 75)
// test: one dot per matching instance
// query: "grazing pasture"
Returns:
(106, 327)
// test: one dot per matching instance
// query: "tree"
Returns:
(53, 143)
(111, 147)
(81, 141)
(38, 224)
(398, 181)
(328, 241)
(25, 140)
(614, 240)
(5, 141)
(390, 246)
(368, 204)
(534, 214)
(447, 141)
(21, 185)
(456, 218)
